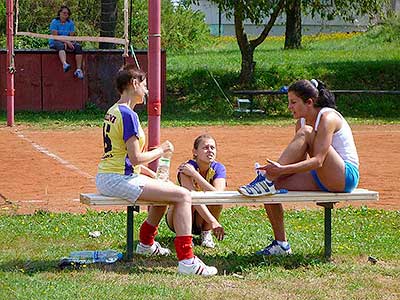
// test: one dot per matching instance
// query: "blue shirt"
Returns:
(62, 28)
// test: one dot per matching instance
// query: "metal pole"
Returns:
(130, 22)
(219, 20)
(327, 228)
(129, 233)
(154, 76)
(10, 62)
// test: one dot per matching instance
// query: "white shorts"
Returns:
(123, 186)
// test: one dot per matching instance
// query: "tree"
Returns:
(108, 21)
(293, 24)
(348, 10)
(256, 11)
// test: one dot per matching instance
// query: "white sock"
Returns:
(188, 261)
(283, 243)
(145, 246)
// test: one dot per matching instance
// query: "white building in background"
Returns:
(221, 25)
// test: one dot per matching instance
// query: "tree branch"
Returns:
(254, 43)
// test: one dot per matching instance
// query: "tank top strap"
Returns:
(323, 110)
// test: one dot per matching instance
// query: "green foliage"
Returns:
(253, 10)
(342, 61)
(181, 28)
(386, 31)
(3, 17)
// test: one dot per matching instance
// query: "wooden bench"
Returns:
(327, 200)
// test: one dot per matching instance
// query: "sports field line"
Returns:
(50, 154)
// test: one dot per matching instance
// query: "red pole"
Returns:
(154, 76)
(10, 61)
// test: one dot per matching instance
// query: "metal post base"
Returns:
(130, 231)
(327, 228)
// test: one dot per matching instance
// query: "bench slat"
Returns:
(233, 197)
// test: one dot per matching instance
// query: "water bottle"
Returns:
(163, 167)
(94, 256)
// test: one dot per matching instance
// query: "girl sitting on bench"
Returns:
(121, 173)
(325, 137)
(203, 173)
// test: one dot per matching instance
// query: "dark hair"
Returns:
(315, 90)
(61, 9)
(126, 74)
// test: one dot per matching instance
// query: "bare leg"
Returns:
(178, 196)
(78, 59)
(215, 210)
(155, 214)
(63, 56)
(294, 152)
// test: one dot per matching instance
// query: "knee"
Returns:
(78, 49)
(184, 196)
(305, 131)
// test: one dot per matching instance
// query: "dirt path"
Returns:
(43, 169)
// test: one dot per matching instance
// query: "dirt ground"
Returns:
(48, 169)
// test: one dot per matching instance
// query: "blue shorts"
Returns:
(59, 45)
(351, 174)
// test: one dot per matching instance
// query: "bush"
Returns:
(387, 31)
(181, 28)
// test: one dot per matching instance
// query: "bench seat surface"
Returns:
(234, 197)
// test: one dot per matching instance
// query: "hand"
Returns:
(69, 45)
(167, 147)
(273, 169)
(218, 231)
(187, 169)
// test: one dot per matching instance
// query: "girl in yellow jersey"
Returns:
(122, 173)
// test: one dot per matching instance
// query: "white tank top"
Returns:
(342, 140)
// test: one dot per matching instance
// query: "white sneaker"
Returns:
(207, 239)
(197, 267)
(154, 249)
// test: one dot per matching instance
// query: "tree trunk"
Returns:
(293, 24)
(247, 47)
(108, 21)
(248, 66)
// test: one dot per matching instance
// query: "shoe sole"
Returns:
(255, 195)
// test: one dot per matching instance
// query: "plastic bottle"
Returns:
(163, 166)
(94, 256)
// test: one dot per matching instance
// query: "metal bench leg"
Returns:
(327, 228)
(130, 231)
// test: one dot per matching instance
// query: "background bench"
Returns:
(327, 200)
(251, 93)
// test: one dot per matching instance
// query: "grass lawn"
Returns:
(32, 246)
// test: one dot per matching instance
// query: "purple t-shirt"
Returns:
(216, 170)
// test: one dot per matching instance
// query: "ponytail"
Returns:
(325, 97)
(314, 89)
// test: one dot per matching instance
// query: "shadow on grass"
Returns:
(226, 264)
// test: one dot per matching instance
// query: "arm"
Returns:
(322, 142)
(147, 171)
(202, 209)
(141, 158)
